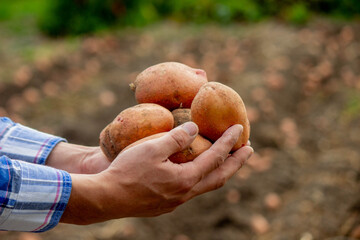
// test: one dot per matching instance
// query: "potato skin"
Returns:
(215, 108)
(181, 116)
(106, 144)
(132, 124)
(170, 84)
(154, 136)
(198, 146)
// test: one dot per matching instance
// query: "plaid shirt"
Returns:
(32, 196)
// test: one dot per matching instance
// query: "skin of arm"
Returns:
(75, 158)
(143, 182)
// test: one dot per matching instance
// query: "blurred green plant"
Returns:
(352, 107)
(77, 16)
(18, 9)
(346, 9)
(297, 13)
(73, 17)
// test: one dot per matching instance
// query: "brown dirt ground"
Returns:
(301, 87)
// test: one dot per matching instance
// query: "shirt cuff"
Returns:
(24, 143)
(32, 197)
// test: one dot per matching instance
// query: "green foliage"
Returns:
(77, 16)
(352, 108)
(297, 13)
(238, 10)
(139, 13)
(18, 9)
(82, 16)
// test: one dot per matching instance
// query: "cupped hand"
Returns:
(142, 181)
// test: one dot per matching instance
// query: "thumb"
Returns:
(177, 139)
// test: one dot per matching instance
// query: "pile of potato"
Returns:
(170, 94)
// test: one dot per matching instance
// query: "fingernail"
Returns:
(191, 128)
(242, 128)
(230, 132)
(248, 143)
(251, 153)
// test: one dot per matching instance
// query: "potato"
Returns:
(170, 84)
(181, 116)
(198, 146)
(132, 124)
(215, 108)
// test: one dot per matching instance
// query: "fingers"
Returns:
(176, 140)
(218, 177)
(215, 155)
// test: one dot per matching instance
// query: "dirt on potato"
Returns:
(181, 116)
(132, 124)
(301, 88)
(169, 84)
(217, 107)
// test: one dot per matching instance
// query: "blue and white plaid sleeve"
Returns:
(32, 197)
(23, 143)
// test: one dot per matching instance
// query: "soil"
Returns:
(301, 86)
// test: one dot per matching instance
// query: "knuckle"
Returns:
(239, 162)
(186, 181)
(186, 185)
(172, 204)
(230, 140)
(218, 158)
(220, 183)
(177, 203)
(179, 140)
(149, 148)
(170, 209)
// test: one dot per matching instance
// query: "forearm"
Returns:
(75, 158)
(68, 157)
(89, 201)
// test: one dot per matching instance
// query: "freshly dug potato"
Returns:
(181, 116)
(198, 146)
(170, 84)
(215, 108)
(132, 124)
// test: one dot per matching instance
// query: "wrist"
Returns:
(93, 161)
(69, 157)
(87, 203)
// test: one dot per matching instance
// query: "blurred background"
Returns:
(65, 67)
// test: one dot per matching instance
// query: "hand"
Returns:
(142, 181)
(77, 158)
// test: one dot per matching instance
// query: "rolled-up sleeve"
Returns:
(33, 197)
(24, 143)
